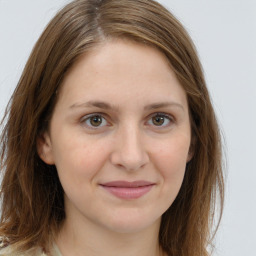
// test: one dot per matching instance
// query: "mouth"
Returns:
(128, 190)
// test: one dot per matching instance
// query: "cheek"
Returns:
(79, 160)
(170, 160)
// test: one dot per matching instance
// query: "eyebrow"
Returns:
(163, 105)
(107, 106)
(97, 104)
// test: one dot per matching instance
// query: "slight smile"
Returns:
(128, 190)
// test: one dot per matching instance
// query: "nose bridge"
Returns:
(129, 150)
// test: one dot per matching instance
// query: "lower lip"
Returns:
(128, 193)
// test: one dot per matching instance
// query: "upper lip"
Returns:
(127, 184)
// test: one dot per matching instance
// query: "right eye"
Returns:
(94, 121)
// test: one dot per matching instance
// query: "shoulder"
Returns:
(10, 251)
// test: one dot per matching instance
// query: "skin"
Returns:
(137, 86)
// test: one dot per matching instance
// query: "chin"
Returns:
(132, 223)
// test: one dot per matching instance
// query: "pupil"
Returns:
(96, 121)
(158, 120)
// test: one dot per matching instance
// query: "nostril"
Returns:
(129, 152)
(129, 162)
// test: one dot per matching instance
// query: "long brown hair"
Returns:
(31, 194)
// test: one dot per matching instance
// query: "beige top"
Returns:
(9, 251)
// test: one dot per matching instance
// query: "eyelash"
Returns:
(88, 118)
(165, 116)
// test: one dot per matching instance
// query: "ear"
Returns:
(190, 154)
(191, 149)
(44, 148)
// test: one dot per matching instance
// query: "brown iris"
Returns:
(96, 121)
(158, 120)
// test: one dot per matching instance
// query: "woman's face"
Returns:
(119, 137)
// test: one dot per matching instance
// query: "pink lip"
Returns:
(128, 190)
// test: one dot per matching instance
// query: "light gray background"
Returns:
(224, 32)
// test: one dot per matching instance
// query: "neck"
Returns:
(91, 240)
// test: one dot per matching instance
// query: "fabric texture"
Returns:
(10, 251)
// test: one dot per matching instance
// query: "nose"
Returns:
(129, 152)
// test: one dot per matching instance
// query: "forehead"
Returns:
(114, 50)
(122, 70)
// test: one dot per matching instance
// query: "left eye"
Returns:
(161, 120)
(95, 121)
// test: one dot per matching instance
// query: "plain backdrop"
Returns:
(224, 32)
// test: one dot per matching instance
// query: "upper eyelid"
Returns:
(88, 116)
(167, 116)
(85, 117)
(170, 116)
(106, 115)
(108, 119)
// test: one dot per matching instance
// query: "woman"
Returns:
(111, 145)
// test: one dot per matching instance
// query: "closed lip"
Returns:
(128, 190)
(128, 184)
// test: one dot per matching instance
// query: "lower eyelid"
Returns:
(86, 118)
